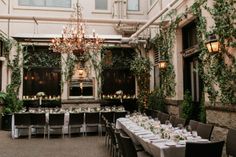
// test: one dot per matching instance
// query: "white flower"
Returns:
(119, 92)
(40, 94)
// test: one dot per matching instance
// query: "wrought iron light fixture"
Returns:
(213, 45)
(74, 39)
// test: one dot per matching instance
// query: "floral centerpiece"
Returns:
(120, 93)
(40, 95)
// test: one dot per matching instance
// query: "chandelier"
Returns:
(74, 39)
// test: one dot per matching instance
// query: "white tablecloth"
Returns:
(159, 148)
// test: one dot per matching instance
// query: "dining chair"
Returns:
(172, 120)
(231, 143)
(180, 121)
(76, 120)
(129, 148)
(56, 121)
(92, 120)
(119, 115)
(22, 122)
(164, 117)
(209, 149)
(38, 121)
(205, 130)
(193, 124)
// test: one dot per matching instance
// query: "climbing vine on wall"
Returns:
(14, 62)
(163, 44)
(141, 68)
(218, 70)
(15, 67)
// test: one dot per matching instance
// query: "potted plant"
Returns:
(11, 104)
(2, 98)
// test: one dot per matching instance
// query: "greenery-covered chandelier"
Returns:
(74, 38)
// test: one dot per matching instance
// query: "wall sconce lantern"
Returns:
(213, 45)
(162, 64)
(81, 72)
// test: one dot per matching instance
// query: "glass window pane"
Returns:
(58, 3)
(38, 3)
(133, 5)
(101, 4)
(152, 2)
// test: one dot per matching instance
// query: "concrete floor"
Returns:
(79, 146)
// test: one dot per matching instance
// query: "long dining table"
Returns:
(155, 144)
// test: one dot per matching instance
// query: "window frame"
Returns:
(45, 5)
(132, 9)
(107, 6)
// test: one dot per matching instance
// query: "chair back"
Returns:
(172, 120)
(108, 115)
(211, 149)
(56, 119)
(120, 146)
(22, 119)
(205, 130)
(164, 117)
(119, 115)
(193, 124)
(38, 119)
(92, 117)
(129, 149)
(76, 118)
(148, 112)
(231, 143)
(181, 121)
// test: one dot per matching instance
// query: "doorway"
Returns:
(192, 80)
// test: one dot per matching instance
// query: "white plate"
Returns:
(170, 144)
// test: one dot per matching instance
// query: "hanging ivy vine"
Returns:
(141, 68)
(40, 58)
(218, 70)
(163, 44)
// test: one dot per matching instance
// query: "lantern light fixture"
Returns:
(213, 45)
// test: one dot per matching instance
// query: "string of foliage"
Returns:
(7, 45)
(40, 58)
(223, 64)
(15, 67)
(218, 70)
(11, 102)
(70, 66)
(163, 44)
(141, 68)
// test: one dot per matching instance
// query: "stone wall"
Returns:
(223, 117)
(173, 107)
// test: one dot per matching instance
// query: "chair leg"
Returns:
(48, 132)
(29, 133)
(69, 131)
(44, 132)
(62, 131)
